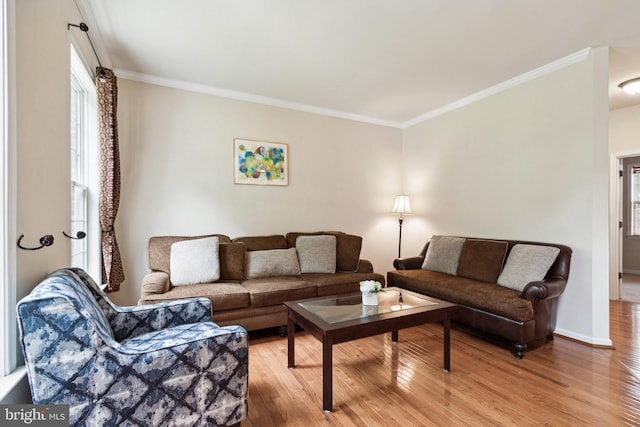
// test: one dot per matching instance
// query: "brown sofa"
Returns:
(255, 277)
(496, 288)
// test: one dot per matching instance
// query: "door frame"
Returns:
(616, 214)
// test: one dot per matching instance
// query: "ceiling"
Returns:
(383, 61)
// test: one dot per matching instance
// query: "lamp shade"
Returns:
(631, 87)
(402, 205)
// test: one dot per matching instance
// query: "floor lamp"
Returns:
(402, 206)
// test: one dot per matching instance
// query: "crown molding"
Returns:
(242, 96)
(274, 102)
(507, 84)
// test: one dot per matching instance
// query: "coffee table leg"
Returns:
(327, 376)
(447, 328)
(291, 332)
(394, 336)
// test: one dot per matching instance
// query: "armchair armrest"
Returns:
(548, 288)
(410, 263)
(226, 337)
(128, 322)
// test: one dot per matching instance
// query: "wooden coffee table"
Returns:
(337, 319)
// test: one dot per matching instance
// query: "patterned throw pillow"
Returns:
(195, 261)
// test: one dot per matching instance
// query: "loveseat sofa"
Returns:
(257, 274)
(504, 288)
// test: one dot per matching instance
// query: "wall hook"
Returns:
(46, 240)
(79, 235)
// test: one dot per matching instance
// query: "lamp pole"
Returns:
(400, 220)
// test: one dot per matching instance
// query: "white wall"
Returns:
(42, 132)
(528, 163)
(624, 131)
(177, 175)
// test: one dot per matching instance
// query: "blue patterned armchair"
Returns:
(150, 365)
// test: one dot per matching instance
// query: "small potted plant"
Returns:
(370, 289)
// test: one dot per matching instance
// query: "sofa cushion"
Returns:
(277, 290)
(316, 254)
(489, 297)
(273, 262)
(482, 259)
(443, 254)
(527, 263)
(232, 261)
(223, 296)
(195, 261)
(293, 236)
(340, 282)
(348, 247)
(159, 250)
(263, 243)
(155, 282)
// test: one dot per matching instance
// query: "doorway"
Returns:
(628, 234)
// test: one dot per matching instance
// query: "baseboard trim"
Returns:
(604, 346)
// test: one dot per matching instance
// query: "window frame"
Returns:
(633, 173)
(82, 80)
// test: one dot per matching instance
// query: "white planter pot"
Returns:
(369, 298)
(369, 310)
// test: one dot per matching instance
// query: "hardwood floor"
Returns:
(378, 383)
(630, 287)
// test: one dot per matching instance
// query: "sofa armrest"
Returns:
(156, 282)
(365, 266)
(411, 263)
(548, 288)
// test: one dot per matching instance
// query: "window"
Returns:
(634, 188)
(79, 217)
(83, 168)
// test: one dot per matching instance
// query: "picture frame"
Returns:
(260, 162)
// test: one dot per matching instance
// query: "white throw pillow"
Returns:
(272, 262)
(317, 254)
(195, 261)
(443, 254)
(527, 263)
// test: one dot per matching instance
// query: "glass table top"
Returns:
(350, 307)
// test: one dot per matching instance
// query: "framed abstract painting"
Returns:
(260, 162)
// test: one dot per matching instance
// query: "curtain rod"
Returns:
(85, 28)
